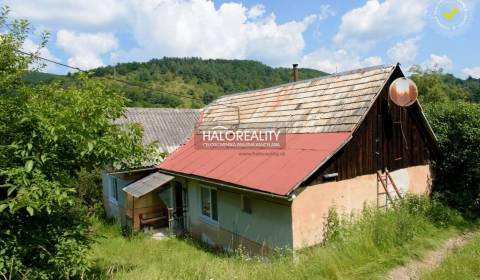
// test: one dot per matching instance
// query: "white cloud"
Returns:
(332, 61)
(326, 12)
(198, 28)
(276, 44)
(31, 47)
(473, 72)
(167, 28)
(256, 11)
(85, 48)
(363, 27)
(436, 62)
(90, 14)
(405, 51)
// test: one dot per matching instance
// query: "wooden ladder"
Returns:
(383, 182)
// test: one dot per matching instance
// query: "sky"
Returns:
(332, 36)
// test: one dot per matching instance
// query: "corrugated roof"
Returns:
(275, 171)
(147, 184)
(170, 127)
(319, 115)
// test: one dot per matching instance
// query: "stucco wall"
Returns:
(269, 224)
(310, 207)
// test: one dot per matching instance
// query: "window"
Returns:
(209, 203)
(113, 189)
(246, 204)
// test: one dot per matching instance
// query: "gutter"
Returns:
(131, 171)
(193, 177)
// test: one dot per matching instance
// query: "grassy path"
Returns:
(463, 263)
(414, 269)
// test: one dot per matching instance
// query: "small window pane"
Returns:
(206, 202)
(214, 205)
(246, 204)
(114, 189)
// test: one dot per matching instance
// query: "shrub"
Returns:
(457, 169)
(89, 190)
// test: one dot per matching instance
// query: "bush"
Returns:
(434, 210)
(45, 246)
(89, 190)
(48, 134)
(413, 216)
(457, 169)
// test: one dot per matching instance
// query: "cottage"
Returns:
(129, 195)
(345, 145)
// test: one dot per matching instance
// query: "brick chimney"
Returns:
(295, 72)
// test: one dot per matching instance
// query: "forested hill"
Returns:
(203, 79)
(161, 82)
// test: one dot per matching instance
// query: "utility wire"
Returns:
(124, 81)
(106, 78)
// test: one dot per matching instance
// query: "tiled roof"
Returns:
(334, 103)
(170, 127)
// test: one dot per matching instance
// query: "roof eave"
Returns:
(226, 184)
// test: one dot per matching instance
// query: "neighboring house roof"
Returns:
(320, 116)
(170, 127)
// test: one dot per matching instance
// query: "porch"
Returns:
(157, 203)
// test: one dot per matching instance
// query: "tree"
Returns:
(457, 169)
(48, 133)
(434, 86)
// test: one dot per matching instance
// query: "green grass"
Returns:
(463, 263)
(366, 249)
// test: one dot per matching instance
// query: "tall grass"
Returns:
(361, 247)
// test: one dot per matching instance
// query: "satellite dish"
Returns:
(403, 92)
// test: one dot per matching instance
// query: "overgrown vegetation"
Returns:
(451, 108)
(363, 247)
(457, 169)
(55, 132)
(48, 134)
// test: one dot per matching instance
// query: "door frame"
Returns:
(180, 195)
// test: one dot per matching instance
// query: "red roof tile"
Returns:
(274, 171)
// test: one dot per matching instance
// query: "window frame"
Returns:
(113, 190)
(209, 219)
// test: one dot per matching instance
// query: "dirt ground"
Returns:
(414, 269)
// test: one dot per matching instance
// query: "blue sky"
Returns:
(326, 35)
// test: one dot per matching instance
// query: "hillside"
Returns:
(204, 80)
(35, 77)
(162, 82)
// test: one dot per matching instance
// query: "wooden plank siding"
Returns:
(378, 142)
